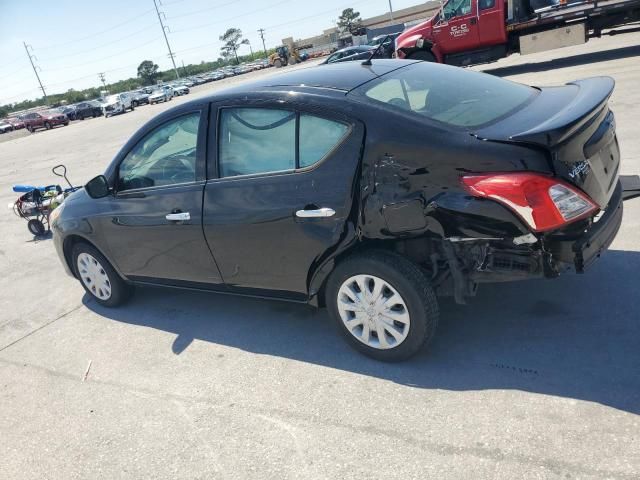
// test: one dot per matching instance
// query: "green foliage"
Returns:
(148, 72)
(232, 41)
(349, 20)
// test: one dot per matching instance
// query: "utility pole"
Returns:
(184, 69)
(250, 49)
(390, 10)
(164, 32)
(31, 57)
(261, 32)
(101, 77)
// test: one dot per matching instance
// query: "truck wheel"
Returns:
(98, 277)
(423, 55)
(277, 63)
(383, 304)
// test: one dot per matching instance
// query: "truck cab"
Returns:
(468, 32)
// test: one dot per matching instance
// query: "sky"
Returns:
(73, 41)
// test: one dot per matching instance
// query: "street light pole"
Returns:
(390, 10)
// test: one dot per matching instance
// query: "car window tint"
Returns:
(165, 156)
(451, 95)
(256, 140)
(484, 4)
(318, 136)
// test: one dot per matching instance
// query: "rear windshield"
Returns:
(451, 95)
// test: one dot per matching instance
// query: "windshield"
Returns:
(451, 95)
(111, 99)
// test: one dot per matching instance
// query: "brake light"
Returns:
(544, 203)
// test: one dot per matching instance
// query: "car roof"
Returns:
(343, 76)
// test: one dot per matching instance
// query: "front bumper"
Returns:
(584, 249)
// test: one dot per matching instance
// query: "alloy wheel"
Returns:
(93, 276)
(373, 311)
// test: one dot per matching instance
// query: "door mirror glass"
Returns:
(97, 187)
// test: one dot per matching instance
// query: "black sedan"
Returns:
(87, 110)
(368, 189)
(358, 52)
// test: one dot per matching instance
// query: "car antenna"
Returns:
(367, 62)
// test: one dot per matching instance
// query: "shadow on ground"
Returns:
(565, 62)
(577, 336)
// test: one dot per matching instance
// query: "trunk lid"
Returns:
(574, 124)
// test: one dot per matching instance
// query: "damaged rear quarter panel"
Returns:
(411, 179)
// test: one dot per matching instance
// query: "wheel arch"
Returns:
(71, 241)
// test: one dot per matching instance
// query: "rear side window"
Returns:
(263, 140)
(318, 136)
(451, 95)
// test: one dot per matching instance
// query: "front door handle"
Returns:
(473, 21)
(320, 212)
(178, 217)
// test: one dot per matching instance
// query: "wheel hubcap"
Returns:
(94, 276)
(373, 311)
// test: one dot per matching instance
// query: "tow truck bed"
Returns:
(597, 14)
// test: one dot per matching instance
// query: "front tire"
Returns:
(383, 304)
(36, 227)
(423, 55)
(47, 125)
(97, 276)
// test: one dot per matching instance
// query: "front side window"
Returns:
(451, 95)
(456, 8)
(166, 156)
(263, 140)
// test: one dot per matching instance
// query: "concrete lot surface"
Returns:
(530, 380)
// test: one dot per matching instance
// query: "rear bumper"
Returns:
(583, 250)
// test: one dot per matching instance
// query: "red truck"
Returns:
(469, 32)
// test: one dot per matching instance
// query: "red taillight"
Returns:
(544, 203)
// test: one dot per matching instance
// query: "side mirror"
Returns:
(97, 187)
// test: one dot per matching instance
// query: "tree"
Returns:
(350, 21)
(232, 42)
(148, 72)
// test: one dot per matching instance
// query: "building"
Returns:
(390, 22)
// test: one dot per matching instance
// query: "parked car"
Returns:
(387, 41)
(68, 110)
(161, 94)
(5, 126)
(87, 109)
(358, 52)
(118, 103)
(16, 123)
(44, 119)
(140, 97)
(180, 89)
(369, 191)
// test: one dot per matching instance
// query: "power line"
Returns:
(102, 45)
(164, 32)
(26, 49)
(135, 18)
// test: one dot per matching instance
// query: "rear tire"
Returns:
(404, 309)
(98, 278)
(277, 63)
(423, 55)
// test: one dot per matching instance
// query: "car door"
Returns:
(280, 195)
(457, 27)
(153, 223)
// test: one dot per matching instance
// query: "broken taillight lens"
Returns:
(544, 203)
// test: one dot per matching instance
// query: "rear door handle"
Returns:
(320, 212)
(178, 217)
